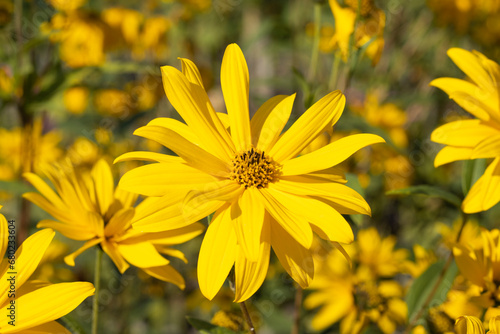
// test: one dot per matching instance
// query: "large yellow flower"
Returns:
(473, 138)
(32, 306)
(87, 207)
(263, 195)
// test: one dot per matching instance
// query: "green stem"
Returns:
(248, 319)
(315, 49)
(334, 74)
(297, 308)
(97, 284)
(351, 59)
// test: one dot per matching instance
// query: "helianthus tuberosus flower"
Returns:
(87, 207)
(473, 138)
(32, 306)
(263, 195)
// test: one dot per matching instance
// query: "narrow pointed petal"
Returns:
(488, 148)
(75, 232)
(463, 133)
(120, 222)
(179, 127)
(337, 193)
(295, 225)
(48, 207)
(111, 248)
(235, 85)
(192, 154)
(142, 255)
(247, 214)
(171, 252)
(44, 189)
(449, 154)
(52, 327)
(70, 259)
(219, 243)
(167, 274)
(269, 121)
(249, 275)
(225, 191)
(159, 179)
(171, 237)
(313, 122)
(296, 259)
(484, 193)
(4, 235)
(190, 70)
(325, 220)
(336, 309)
(470, 65)
(47, 304)
(469, 265)
(329, 155)
(104, 185)
(148, 156)
(28, 255)
(191, 102)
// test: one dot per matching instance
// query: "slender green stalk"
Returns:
(352, 43)
(97, 285)
(334, 74)
(247, 317)
(315, 49)
(297, 309)
(427, 302)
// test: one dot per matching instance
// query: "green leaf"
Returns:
(207, 328)
(427, 191)
(70, 323)
(471, 172)
(424, 285)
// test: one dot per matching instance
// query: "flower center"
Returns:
(254, 169)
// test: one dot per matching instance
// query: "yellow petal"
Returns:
(464, 133)
(269, 120)
(344, 199)
(249, 275)
(234, 82)
(467, 95)
(44, 189)
(296, 226)
(75, 232)
(167, 274)
(219, 243)
(484, 193)
(470, 65)
(27, 256)
(148, 156)
(329, 155)
(192, 103)
(468, 325)
(488, 148)
(335, 308)
(449, 154)
(191, 72)
(47, 304)
(111, 248)
(224, 191)
(52, 327)
(325, 220)
(313, 122)
(247, 214)
(171, 252)
(120, 222)
(142, 255)
(179, 127)
(192, 154)
(468, 264)
(104, 185)
(48, 207)
(172, 237)
(296, 259)
(4, 235)
(70, 259)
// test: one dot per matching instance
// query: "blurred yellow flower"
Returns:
(423, 259)
(473, 138)
(113, 102)
(32, 306)
(75, 99)
(67, 5)
(261, 193)
(87, 207)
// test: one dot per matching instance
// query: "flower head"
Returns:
(473, 138)
(248, 173)
(87, 207)
(36, 304)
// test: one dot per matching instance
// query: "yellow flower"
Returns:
(263, 195)
(67, 5)
(76, 99)
(423, 259)
(87, 207)
(469, 325)
(33, 305)
(113, 102)
(473, 138)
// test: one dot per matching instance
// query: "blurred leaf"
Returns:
(207, 328)
(71, 324)
(471, 172)
(422, 287)
(429, 191)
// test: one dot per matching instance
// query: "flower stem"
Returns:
(334, 74)
(297, 308)
(438, 281)
(244, 310)
(315, 49)
(97, 283)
